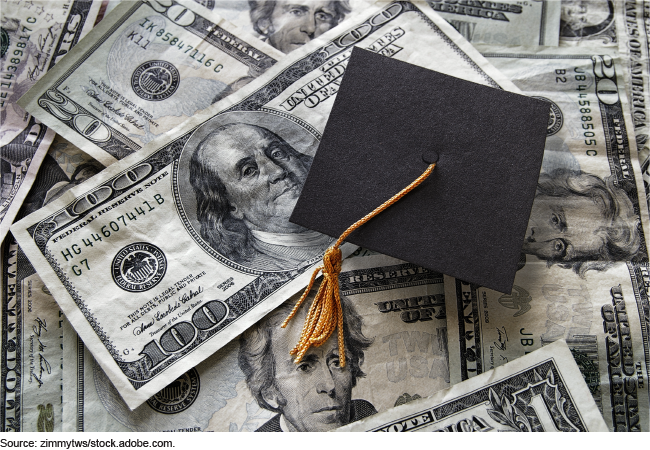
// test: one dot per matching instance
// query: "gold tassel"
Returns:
(325, 313)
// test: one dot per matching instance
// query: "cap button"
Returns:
(430, 156)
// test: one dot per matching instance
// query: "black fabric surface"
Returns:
(468, 219)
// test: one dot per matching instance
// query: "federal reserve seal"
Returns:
(139, 267)
(178, 396)
(589, 370)
(155, 80)
(555, 119)
(4, 42)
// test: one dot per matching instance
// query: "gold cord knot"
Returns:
(325, 313)
(332, 262)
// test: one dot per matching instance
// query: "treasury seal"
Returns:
(178, 396)
(155, 80)
(138, 267)
(555, 119)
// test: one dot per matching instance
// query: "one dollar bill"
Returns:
(154, 271)
(539, 392)
(146, 67)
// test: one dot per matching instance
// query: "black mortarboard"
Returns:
(391, 119)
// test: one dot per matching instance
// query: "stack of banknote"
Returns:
(152, 153)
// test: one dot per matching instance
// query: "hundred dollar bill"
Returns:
(584, 274)
(542, 391)
(35, 36)
(31, 372)
(589, 23)
(176, 250)
(507, 23)
(397, 350)
(144, 69)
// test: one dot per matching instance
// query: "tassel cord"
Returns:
(326, 312)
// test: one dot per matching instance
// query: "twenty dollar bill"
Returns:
(31, 331)
(36, 35)
(585, 275)
(144, 69)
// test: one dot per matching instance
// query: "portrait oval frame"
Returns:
(299, 134)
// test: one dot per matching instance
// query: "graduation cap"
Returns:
(389, 122)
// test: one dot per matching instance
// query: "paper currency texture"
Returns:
(146, 67)
(397, 344)
(31, 369)
(504, 23)
(632, 31)
(35, 36)
(284, 24)
(589, 23)
(584, 275)
(539, 392)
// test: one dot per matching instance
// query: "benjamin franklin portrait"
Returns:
(244, 180)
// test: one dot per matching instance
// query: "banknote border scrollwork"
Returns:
(10, 346)
(459, 51)
(20, 139)
(79, 426)
(72, 291)
(4, 42)
(363, 287)
(463, 334)
(94, 47)
(542, 23)
(81, 7)
(640, 276)
(257, 67)
(533, 56)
